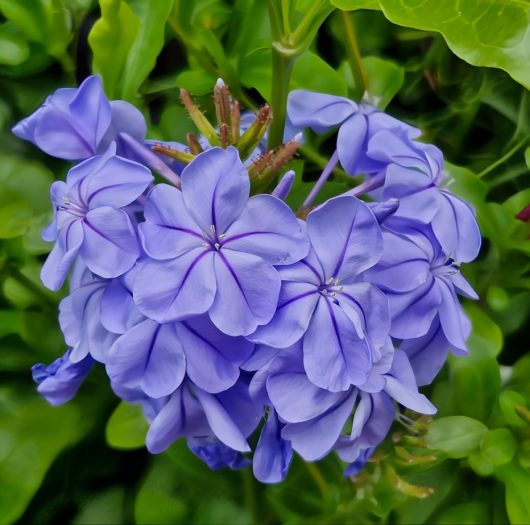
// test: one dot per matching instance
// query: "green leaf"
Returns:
(457, 436)
(13, 49)
(126, 427)
(385, 79)
(197, 82)
(148, 43)
(527, 157)
(15, 219)
(498, 446)
(105, 508)
(493, 33)
(32, 433)
(465, 513)
(111, 39)
(517, 482)
(486, 338)
(313, 73)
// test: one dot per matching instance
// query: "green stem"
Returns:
(305, 24)
(503, 159)
(318, 478)
(354, 53)
(251, 501)
(281, 75)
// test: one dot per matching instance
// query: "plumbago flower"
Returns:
(357, 123)
(90, 220)
(78, 123)
(342, 319)
(212, 249)
(215, 310)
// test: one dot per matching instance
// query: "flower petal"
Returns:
(295, 307)
(314, 439)
(456, 228)
(297, 399)
(213, 358)
(73, 121)
(148, 356)
(334, 356)
(345, 236)
(318, 111)
(169, 231)
(176, 289)
(273, 454)
(110, 247)
(351, 142)
(247, 292)
(221, 422)
(116, 182)
(65, 250)
(215, 186)
(268, 228)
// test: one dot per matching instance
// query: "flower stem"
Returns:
(282, 66)
(318, 478)
(504, 158)
(324, 176)
(354, 53)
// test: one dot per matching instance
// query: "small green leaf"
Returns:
(527, 157)
(498, 446)
(508, 401)
(457, 436)
(127, 427)
(197, 82)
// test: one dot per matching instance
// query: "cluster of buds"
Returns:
(263, 165)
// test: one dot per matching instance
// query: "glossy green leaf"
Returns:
(493, 33)
(456, 436)
(32, 433)
(127, 427)
(385, 79)
(149, 40)
(111, 39)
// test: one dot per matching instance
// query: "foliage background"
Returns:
(84, 463)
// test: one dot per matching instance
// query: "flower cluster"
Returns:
(221, 312)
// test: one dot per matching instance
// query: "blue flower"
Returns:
(358, 124)
(90, 220)
(78, 123)
(421, 283)
(342, 320)
(155, 357)
(59, 382)
(212, 248)
(216, 454)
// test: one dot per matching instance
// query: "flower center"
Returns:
(214, 241)
(330, 287)
(448, 267)
(71, 207)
